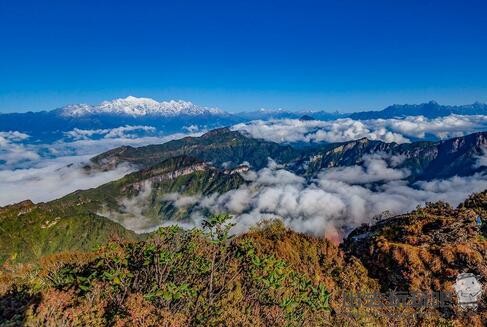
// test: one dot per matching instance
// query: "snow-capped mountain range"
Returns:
(133, 106)
(175, 116)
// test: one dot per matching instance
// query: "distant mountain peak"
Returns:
(216, 132)
(134, 106)
(306, 118)
(132, 102)
(267, 110)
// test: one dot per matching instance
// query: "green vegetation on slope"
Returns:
(218, 146)
(147, 190)
(425, 160)
(30, 231)
(268, 277)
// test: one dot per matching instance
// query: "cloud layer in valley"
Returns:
(338, 199)
(52, 179)
(335, 201)
(387, 130)
(12, 149)
(332, 204)
(43, 172)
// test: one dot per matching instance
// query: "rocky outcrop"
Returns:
(426, 249)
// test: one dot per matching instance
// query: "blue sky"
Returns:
(243, 55)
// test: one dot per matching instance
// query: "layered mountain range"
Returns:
(176, 116)
(204, 166)
(425, 160)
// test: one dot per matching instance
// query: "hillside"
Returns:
(427, 249)
(424, 160)
(269, 276)
(76, 222)
(31, 231)
(218, 146)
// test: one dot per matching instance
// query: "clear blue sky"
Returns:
(243, 55)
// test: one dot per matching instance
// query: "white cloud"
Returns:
(132, 212)
(191, 128)
(126, 131)
(482, 159)
(181, 200)
(12, 136)
(40, 172)
(95, 146)
(375, 168)
(336, 201)
(386, 130)
(12, 151)
(51, 179)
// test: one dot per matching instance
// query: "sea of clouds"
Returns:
(43, 172)
(331, 205)
(387, 130)
(337, 200)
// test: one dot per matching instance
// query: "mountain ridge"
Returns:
(219, 146)
(430, 109)
(426, 159)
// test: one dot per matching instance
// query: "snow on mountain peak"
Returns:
(134, 106)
